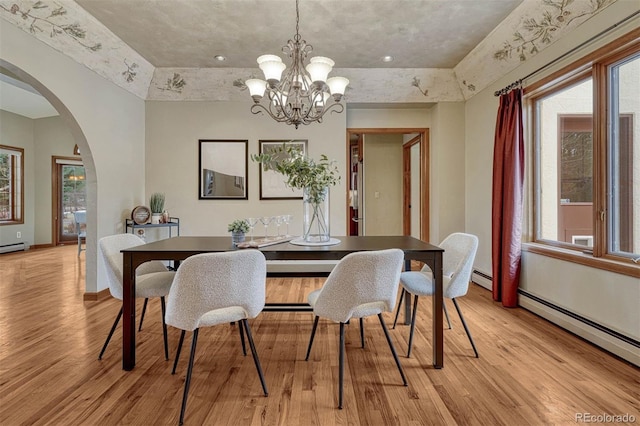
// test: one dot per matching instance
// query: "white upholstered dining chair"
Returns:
(361, 284)
(457, 264)
(216, 288)
(152, 278)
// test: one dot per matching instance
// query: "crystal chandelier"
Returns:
(304, 94)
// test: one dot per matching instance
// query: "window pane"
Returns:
(73, 197)
(5, 187)
(565, 157)
(624, 161)
(10, 184)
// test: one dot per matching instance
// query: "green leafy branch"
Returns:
(300, 170)
(75, 31)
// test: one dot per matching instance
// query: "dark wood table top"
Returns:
(182, 247)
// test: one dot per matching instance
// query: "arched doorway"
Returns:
(87, 160)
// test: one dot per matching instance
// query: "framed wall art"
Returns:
(223, 169)
(272, 184)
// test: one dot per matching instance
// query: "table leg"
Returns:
(129, 313)
(437, 299)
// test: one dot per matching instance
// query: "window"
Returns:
(11, 185)
(586, 134)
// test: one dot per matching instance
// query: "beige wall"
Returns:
(107, 123)
(52, 137)
(17, 131)
(601, 296)
(173, 130)
(447, 170)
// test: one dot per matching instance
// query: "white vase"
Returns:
(315, 217)
(155, 218)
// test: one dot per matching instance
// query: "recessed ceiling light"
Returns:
(220, 58)
(387, 58)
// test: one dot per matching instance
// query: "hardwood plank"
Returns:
(529, 371)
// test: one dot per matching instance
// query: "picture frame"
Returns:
(222, 166)
(273, 185)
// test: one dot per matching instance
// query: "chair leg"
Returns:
(393, 349)
(175, 363)
(395, 321)
(413, 324)
(446, 314)
(464, 324)
(187, 381)
(244, 347)
(144, 310)
(164, 330)
(341, 366)
(362, 332)
(113, 328)
(313, 334)
(245, 323)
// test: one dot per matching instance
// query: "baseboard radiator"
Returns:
(610, 340)
(8, 248)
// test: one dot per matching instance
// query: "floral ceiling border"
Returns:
(69, 29)
(366, 85)
(531, 27)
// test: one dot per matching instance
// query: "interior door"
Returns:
(360, 186)
(416, 217)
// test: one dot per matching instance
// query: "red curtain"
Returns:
(507, 199)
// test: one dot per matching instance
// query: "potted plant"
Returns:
(314, 178)
(156, 204)
(238, 228)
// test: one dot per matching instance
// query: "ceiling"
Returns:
(20, 98)
(164, 50)
(354, 33)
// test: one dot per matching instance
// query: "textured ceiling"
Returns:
(355, 33)
(445, 50)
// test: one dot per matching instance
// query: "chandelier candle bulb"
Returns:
(257, 88)
(337, 86)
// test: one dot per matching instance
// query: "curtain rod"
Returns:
(518, 83)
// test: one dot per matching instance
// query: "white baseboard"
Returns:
(482, 279)
(606, 341)
(599, 338)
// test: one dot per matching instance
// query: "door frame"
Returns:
(55, 197)
(423, 140)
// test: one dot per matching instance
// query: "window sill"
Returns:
(583, 259)
(11, 222)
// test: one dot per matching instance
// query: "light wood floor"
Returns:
(529, 371)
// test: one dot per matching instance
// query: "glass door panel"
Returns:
(72, 198)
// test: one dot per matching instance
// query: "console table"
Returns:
(174, 222)
(180, 248)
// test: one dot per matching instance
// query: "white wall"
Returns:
(17, 131)
(107, 123)
(52, 137)
(574, 287)
(173, 131)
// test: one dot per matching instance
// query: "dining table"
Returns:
(179, 248)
